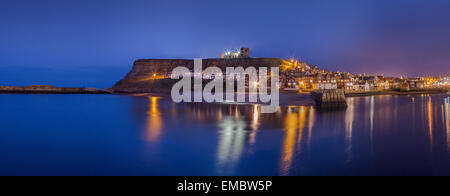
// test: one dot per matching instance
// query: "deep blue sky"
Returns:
(396, 37)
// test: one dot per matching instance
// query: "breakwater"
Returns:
(49, 89)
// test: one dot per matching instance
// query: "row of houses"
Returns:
(339, 80)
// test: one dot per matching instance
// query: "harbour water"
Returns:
(141, 135)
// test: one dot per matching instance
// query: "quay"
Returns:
(396, 92)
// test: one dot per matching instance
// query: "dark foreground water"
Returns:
(126, 135)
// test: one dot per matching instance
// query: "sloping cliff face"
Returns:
(146, 75)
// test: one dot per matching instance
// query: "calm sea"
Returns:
(130, 135)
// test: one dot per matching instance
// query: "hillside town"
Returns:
(297, 75)
(300, 76)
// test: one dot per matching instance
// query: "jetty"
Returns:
(50, 89)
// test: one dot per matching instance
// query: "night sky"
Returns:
(395, 37)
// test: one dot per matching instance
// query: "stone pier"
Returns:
(330, 99)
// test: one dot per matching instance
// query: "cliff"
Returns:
(150, 75)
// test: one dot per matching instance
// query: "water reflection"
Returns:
(291, 126)
(372, 116)
(311, 121)
(254, 124)
(294, 125)
(150, 136)
(232, 137)
(154, 121)
(237, 125)
(349, 119)
(430, 120)
(371, 128)
(447, 121)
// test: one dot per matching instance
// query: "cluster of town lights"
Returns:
(298, 75)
